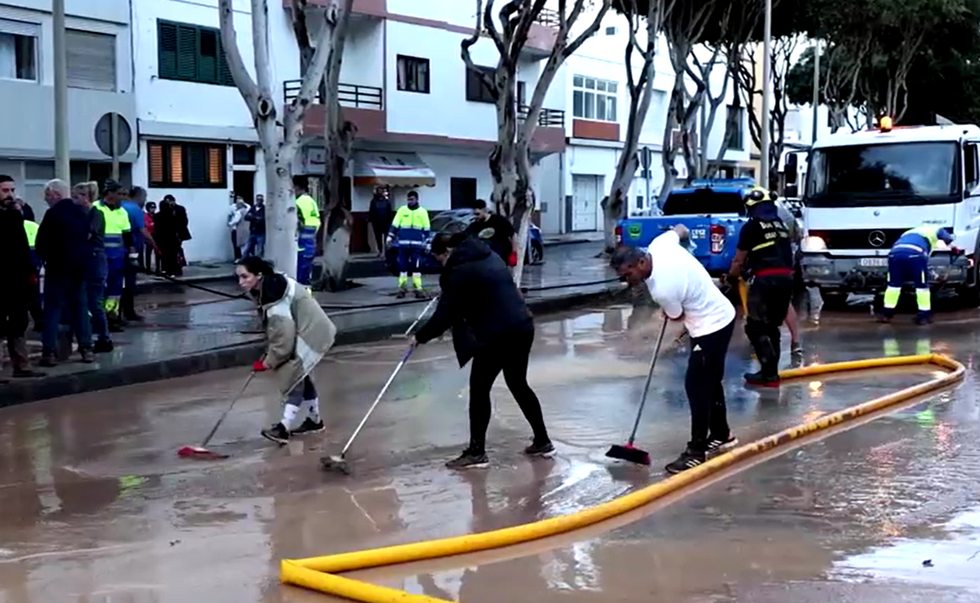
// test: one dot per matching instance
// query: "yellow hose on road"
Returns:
(319, 573)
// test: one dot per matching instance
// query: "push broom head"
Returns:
(335, 463)
(629, 453)
(203, 454)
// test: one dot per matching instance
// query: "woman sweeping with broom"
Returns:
(299, 334)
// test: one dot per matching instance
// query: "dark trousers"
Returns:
(13, 324)
(703, 384)
(768, 302)
(65, 293)
(129, 290)
(235, 245)
(510, 354)
(380, 227)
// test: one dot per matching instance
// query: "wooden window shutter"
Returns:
(207, 64)
(156, 161)
(187, 52)
(166, 50)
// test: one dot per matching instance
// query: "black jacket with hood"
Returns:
(479, 301)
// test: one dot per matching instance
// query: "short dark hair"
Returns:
(136, 191)
(413, 194)
(479, 204)
(169, 198)
(5, 178)
(301, 182)
(626, 256)
(111, 186)
(444, 241)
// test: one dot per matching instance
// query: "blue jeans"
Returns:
(255, 245)
(304, 263)
(61, 293)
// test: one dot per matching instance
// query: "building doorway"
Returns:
(584, 210)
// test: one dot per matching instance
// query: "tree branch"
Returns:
(239, 73)
(468, 43)
(260, 42)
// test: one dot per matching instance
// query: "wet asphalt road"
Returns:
(97, 507)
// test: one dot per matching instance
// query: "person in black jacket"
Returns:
(492, 325)
(63, 244)
(19, 279)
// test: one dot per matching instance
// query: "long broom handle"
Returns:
(214, 429)
(384, 389)
(646, 386)
(419, 319)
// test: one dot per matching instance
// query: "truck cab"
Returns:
(864, 189)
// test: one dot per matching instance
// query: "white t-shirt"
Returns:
(681, 285)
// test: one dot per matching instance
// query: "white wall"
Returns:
(363, 63)
(455, 12)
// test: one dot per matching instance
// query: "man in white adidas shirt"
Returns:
(685, 292)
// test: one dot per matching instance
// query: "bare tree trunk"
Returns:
(510, 162)
(279, 135)
(615, 205)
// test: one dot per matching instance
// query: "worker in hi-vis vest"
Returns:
(34, 305)
(118, 239)
(308, 224)
(908, 262)
(410, 229)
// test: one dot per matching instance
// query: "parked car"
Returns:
(453, 221)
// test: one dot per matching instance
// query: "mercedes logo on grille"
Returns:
(876, 238)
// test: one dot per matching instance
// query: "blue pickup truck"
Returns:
(712, 210)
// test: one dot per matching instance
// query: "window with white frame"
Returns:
(593, 98)
(18, 50)
(91, 59)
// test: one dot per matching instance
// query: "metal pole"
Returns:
(648, 206)
(816, 89)
(61, 153)
(114, 138)
(766, 92)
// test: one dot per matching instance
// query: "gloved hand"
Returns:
(259, 365)
(512, 259)
(389, 240)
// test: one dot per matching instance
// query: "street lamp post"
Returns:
(816, 89)
(61, 164)
(766, 93)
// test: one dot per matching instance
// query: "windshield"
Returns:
(704, 201)
(914, 173)
(450, 224)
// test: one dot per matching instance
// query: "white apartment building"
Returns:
(423, 122)
(196, 137)
(100, 82)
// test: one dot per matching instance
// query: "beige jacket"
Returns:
(299, 334)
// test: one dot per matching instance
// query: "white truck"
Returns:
(863, 190)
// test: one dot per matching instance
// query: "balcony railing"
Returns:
(547, 118)
(349, 95)
(549, 18)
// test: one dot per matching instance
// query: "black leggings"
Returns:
(769, 300)
(509, 354)
(703, 384)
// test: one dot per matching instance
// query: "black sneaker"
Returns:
(277, 433)
(401, 294)
(717, 445)
(761, 380)
(796, 354)
(48, 360)
(102, 346)
(545, 450)
(308, 426)
(469, 460)
(419, 294)
(688, 459)
(923, 319)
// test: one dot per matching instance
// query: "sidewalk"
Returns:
(193, 331)
(361, 266)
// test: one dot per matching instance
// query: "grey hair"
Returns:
(626, 256)
(58, 186)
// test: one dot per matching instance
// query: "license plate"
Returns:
(874, 262)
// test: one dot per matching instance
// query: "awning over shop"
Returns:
(391, 169)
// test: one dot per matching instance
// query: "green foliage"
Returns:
(910, 58)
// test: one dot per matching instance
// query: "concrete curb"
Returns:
(243, 354)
